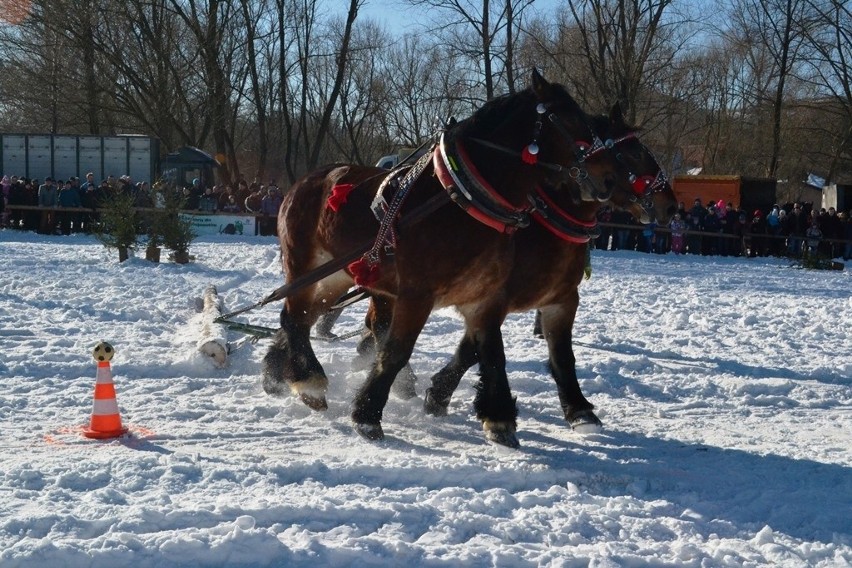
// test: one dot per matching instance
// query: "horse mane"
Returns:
(496, 111)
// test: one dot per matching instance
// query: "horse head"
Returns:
(567, 142)
(644, 188)
(544, 127)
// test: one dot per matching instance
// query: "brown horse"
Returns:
(546, 272)
(451, 257)
(547, 268)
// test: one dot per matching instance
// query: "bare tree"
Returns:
(776, 29)
(484, 32)
(830, 67)
(626, 46)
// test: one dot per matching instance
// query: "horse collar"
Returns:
(470, 191)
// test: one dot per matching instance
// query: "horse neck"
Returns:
(502, 170)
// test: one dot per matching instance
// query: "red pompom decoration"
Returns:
(364, 273)
(530, 154)
(641, 183)
(338, 196)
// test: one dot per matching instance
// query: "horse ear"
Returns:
(540, 86)
(616, 116)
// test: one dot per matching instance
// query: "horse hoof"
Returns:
(432, 406)
(504, 438)
(403, 385)
(585, 422)
(318, 403)
(501, 432)
(372, 432)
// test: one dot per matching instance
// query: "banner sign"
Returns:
(222, 224)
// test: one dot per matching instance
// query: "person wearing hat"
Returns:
(757, 232)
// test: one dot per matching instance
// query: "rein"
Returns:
(327, 269)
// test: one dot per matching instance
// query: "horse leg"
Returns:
(494, 404)
(409, 317)
(446, 381)
(557, 324)
(326, 322)
(377, 322)
(291, 362)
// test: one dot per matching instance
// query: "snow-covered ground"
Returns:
(725, 387)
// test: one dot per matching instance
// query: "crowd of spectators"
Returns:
(719, 228)
(69, 196)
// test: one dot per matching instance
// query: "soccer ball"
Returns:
(103, 351)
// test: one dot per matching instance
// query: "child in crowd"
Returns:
(677, 226)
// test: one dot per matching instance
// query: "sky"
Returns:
(402, 17)
(724, 386)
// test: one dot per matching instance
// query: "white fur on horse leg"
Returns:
(213, 342)
(403, 385)
(312, 392)
(502, 433)
(586, 422)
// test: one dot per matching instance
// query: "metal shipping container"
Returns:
(63, 156)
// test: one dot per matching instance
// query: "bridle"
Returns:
(643, 187)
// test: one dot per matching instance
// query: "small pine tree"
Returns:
(177, 231)
(119, 226)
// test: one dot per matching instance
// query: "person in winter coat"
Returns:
(846, 234)
(47, 195)
(649, 237)
(773, 229)
(69, 197)
(269, 207)
(208, 202)
(728, 222)
(5, 185)
(797, 222)
(711, 225)
(231, 206)
(677, 226)
(830, 225)
(695, 223)
(757, 230)
(813, 236)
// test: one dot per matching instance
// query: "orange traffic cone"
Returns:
(105, 422)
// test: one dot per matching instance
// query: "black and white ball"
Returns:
(103, 351)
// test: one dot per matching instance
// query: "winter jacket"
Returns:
(47, 195)
(69, 197)
(270, 204)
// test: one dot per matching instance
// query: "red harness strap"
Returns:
(450, 171)
(561, 223)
